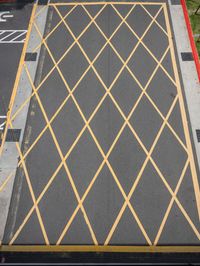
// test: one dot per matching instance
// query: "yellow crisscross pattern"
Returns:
(108, 93)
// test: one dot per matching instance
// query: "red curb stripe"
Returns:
(190, 33)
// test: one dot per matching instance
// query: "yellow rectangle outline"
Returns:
(103, 248)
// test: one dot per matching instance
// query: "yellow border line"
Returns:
(89, 248)
(20, 66)
(103, 3)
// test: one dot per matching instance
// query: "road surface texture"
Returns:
(107, 158)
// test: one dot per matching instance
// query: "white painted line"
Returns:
(12, 42)
(10, 30)
(2, 125)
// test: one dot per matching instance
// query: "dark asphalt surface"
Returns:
(104, 201)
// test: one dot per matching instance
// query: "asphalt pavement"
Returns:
(107, 152)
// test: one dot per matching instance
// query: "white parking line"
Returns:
(17, 39)
(2, 124)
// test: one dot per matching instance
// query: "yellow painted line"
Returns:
(158, 24)
(14, 91)
(164, 180)
(129, 70)
(183, 114)
(95, 140)
(58, 62)
(140, 225)
(62, 158)
(89, 248)
(104, 3)
(5, 182)
(51, 32)
(78, 137)
(66, 99)
(31, 190)
(55, 139)
(138, 176)
(168, 187)
(171, 203)
(187, 217)
(90, 129)
(140, 39)
(92, 134)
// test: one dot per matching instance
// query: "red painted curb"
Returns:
(190, 33)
